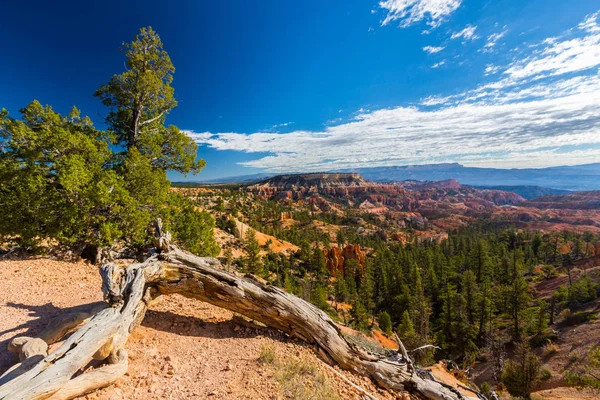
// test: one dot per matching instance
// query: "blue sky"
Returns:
(284, 86)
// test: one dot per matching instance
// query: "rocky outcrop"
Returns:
(325, 192)
(335, 258)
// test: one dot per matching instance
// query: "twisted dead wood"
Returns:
(130, 290)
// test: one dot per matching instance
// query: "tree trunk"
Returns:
(129, 292)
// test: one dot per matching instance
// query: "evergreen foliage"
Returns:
(62, 181)
(522, 372)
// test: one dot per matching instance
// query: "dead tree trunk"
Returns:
(129, 292)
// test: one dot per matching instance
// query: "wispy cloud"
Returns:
(541, 109)
(439, 64)
(409, 12)
(590, 24)
(282, 125)
(433, 49)
(466, 34)
(493, 39)
(491, 69)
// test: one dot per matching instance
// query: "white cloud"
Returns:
(491, 69)
(559, 57)
(493, 39)
(439, 64)
(282, 125)
(590, 24)
(467, 34)
(409, 12)
(198, 137)
(468, 133)
(542, 109)
(433, 49)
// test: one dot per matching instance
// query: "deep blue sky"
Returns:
(353, 87)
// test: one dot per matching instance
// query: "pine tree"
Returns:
(470, 292)
(518, 300)
(140, 99)
(406, 332)
(385, 322)
(422, 309)
(541, 321)
(360, 315)
(252, 259)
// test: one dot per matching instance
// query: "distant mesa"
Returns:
(318, 180)
(537, 181)
(319, 189)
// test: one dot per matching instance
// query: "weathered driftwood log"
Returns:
(129, 292)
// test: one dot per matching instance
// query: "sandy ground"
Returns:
(277, 246)
(184, 349)
(565, 393)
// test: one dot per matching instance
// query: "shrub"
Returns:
(521, 374)
(583, 375)
(579, 317)
(228, 225)
(485, 389)
(549, 271)
(583, 290)
(545, 374)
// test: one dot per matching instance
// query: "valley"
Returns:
(440, 251)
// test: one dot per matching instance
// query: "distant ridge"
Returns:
(229, 179)
(319, 179)
(571, 178)
(527, 192)
(564, 178)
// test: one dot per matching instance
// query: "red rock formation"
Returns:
(335, 258)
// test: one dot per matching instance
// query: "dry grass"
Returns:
(298, 377)
(267, 354)
(550, 349)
